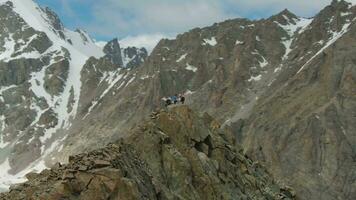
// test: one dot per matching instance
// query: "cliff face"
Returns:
(304, 125)
(175, 155)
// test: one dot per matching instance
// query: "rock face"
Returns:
(283, 85)
(133, 56)
(113, 52)
(305, 122)
(176, 155)
(129, 57)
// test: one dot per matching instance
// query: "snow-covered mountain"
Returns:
(40, 83)
(285, 86)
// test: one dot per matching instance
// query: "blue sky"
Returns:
(141, 21)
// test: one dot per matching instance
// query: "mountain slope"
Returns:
(176, 155)
(316, 122)
(41, 65)
(263, 79)
(284, 85)
(41, 62)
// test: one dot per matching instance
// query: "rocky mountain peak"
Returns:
(337, 6)
(286, 12)
(129, 57)
(113, 52)
(133, 56)
(84, 36)
(285, 17)
(53, 19)
(340, 3)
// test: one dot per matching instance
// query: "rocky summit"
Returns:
(175, 155)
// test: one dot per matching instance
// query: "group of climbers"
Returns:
(175, 99)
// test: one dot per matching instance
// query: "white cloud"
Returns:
(147, 41)
(147, 17)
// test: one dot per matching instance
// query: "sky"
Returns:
(144, 22)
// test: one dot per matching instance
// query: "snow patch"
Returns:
(181, 58)
(277, 69)
(191, 68)
(258, 38)
(3, 144)
(146, 77)
(264, 63)
(321, 42)
(130, 81)
(7, 179)
(238, 42)
(188, 92)
(255, 78)
(9, 48)
(212, 41)
(287, 45)
(345, 14)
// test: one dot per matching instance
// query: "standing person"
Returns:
(168, 101)
(182, 99)
(175, 99)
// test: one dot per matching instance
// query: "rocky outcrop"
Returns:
(129, 57)
(176, 155)
(133, 56)
(56, 76)
(113, 52)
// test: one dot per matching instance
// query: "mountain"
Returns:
(41, 67)
(129, 57)
(283, 85)
(175, 155)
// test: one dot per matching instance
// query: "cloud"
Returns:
(147, 17)
(144, 40)
(133, 17)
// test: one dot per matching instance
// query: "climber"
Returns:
(174, 99)
(168, 101)
(181, 98)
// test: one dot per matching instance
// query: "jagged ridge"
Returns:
(175, 155)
